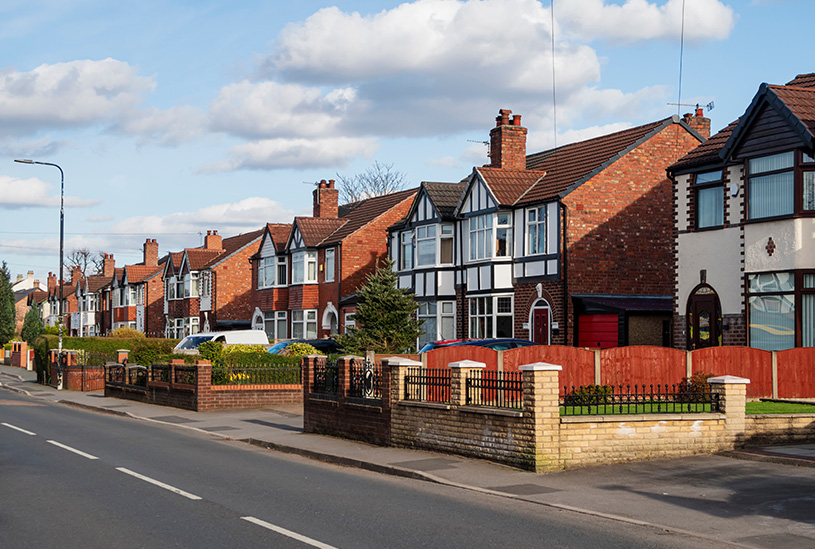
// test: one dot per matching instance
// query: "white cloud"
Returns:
(167, 127)
(76, 93)
(34, 193)
(271, 109)
(636, 20)
(271, 154)
(38, 148)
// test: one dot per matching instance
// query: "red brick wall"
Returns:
(124, 314)
(304, 296)
(525, 297)
(232, 286)
(154, 307)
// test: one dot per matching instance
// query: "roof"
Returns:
(569, 166)
(445, 196)
(359, 214)
(94, 283)
(794, 101)
(280, 234)
(198, 258)
(315, 230)
(508, 185)
(37, 296)
(140, 273)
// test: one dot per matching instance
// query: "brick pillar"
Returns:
(458, 380)
(203, 384)
(122, 355)
(732, 393)
(542, 415)
(19, 353)
(397, 367)
(306, 378)
(344, 377)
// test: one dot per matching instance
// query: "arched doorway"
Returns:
(704, 316)
(540, 322)
(330, 319)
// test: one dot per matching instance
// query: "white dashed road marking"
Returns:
(74, 450)
(289, 533)
(158, 483)
(10, 426)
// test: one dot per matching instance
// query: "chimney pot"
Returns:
(699, 111)
(508, 142)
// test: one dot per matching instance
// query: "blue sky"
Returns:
(172, 118)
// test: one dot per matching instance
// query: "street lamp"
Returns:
(61, 251)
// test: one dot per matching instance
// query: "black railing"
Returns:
(185, 374)
(257, 375)
(495, 389)
(366, 379)
(638, 399)
(94, 358)
(160, 372)
(326, 377)
(428, 385)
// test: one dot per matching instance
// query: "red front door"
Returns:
(540, 326)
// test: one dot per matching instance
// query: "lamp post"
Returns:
(61, 251)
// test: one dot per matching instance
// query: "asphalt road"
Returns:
(72, 478)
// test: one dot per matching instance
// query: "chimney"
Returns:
(213, 241)
(19, 278)
(151, 253)
(108, 265)
(76, 274)
(326, 200)
(508, 142)
(52, 282)
(698, 122)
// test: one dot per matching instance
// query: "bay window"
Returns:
(481, 237)
(304, 324)
(425, 245)
(271, 272)
(304, 267)
(771, 186)
(274, 324)
(439, 321)
(191, 285)
(781, 309)
(709, 200)
(169, 290)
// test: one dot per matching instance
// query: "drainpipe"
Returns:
(565, 275)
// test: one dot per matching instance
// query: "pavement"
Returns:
(765, 497)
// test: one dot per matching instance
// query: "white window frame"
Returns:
(306, 320)
(267, 269)
(439, 311)
(406, 250)
(304, 267)
(330, 264)
(447, 237)
(503, 225)
(536, 221)
(480, 237)
(349, 322)
(275, 324)
(484, 315)
(426, 245)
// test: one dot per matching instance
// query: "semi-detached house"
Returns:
(569, 246)
(137, 294)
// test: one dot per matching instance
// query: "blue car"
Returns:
(325, 346)
(497, 344)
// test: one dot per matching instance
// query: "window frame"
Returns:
(803, 178)
(706, 185)
(330, 264)
(307, 261)
(799, 279)
(306, 321)
(535, 228)
(406, 262)
(490, 314)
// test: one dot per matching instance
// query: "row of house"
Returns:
(657, 234)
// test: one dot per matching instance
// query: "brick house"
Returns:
(325, 258)
(137, 294)
(70, 304)
(209, 288)
(745, 217)
(567, 246)
(92, 316)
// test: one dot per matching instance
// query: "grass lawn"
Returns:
(630, 409)
(762, 407)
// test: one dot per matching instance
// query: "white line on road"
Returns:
(158, 483)
(289, 533)
(74, 450)
(10, 426)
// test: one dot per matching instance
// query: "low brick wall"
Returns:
(779, 429)
(368, 420)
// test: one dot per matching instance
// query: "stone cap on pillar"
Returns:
(540, 367)
(728, 380)
(402, 361)
(467, 364)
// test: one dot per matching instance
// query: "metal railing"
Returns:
(638, 399)
(495, 389)
(366, 379)
(257, 375)
(326, 377)
(428, 385)
(126, 376)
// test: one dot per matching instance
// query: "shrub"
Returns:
(694, 388)
(127, 333)
(51, 330)
(243, 348)
(212, 351)
(586, 395)
(147, 351)
(299, 350)
(41, 360)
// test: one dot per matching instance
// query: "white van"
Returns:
(189, 345)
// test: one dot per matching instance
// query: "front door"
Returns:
(703, 319)
(540, 326)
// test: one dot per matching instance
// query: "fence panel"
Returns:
(366, 379)
(577, 364)
(796, 373)
(495, 389)
(753, 364)
(679, 398)
(443, 356)
(428, 385)
(646, 364)
(326, 377)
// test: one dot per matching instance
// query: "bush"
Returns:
(41, 360)
(127, 333)
(243, 348)
(299, 350)
(147, 351)
(212, 351)
(694, 388)
(589, 395)
(51, 330)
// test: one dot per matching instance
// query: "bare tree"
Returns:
(377, 180)
(87, 261)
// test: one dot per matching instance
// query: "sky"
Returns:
(171, 118)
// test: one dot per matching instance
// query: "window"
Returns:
(140, 294)
(771, 194)
(93, 302)
(481, 237)
(427, 313)
(304, 267)
(491, 316)
(406, 248)
(266, 272)
(329, 265)
(274, 324)
(179, 287)
(808, 311)
(503, 235)
(304, 324)
(169, 290)
(132, 297)
(771, 301)
(191, 285)
(349, 321)
(709, 200)
(191, 325)
(536, 229)
(446, 244)
(439, 321)
(426, 245)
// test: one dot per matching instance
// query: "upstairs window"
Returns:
(406, 250)
(329, 265)
(304, 267)
(709, 200)
(503, 234)
(536, 229)
(426, 245)
(266, 272)
(446, 244)
(481, 237)
(808, 183)
(771, 186)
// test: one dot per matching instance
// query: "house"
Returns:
(137, 294)
(305, 278)
(23, 290)
(567, 246)
(210, 288)
(69, 300)
(92, 315)
(745, 213)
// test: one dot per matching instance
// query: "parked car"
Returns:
(189, 345)
(498, 344)
(325, 346)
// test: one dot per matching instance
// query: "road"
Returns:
(73, 478)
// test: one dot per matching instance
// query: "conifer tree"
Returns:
(32, 325)
(7, 310)
(385, 318)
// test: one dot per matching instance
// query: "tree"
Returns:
(32, 325)
(377, 180)
(87, 261)
(385, 317)
(7, 309)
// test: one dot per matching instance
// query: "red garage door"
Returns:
(597, 331)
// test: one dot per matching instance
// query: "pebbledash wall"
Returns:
(536, 437)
